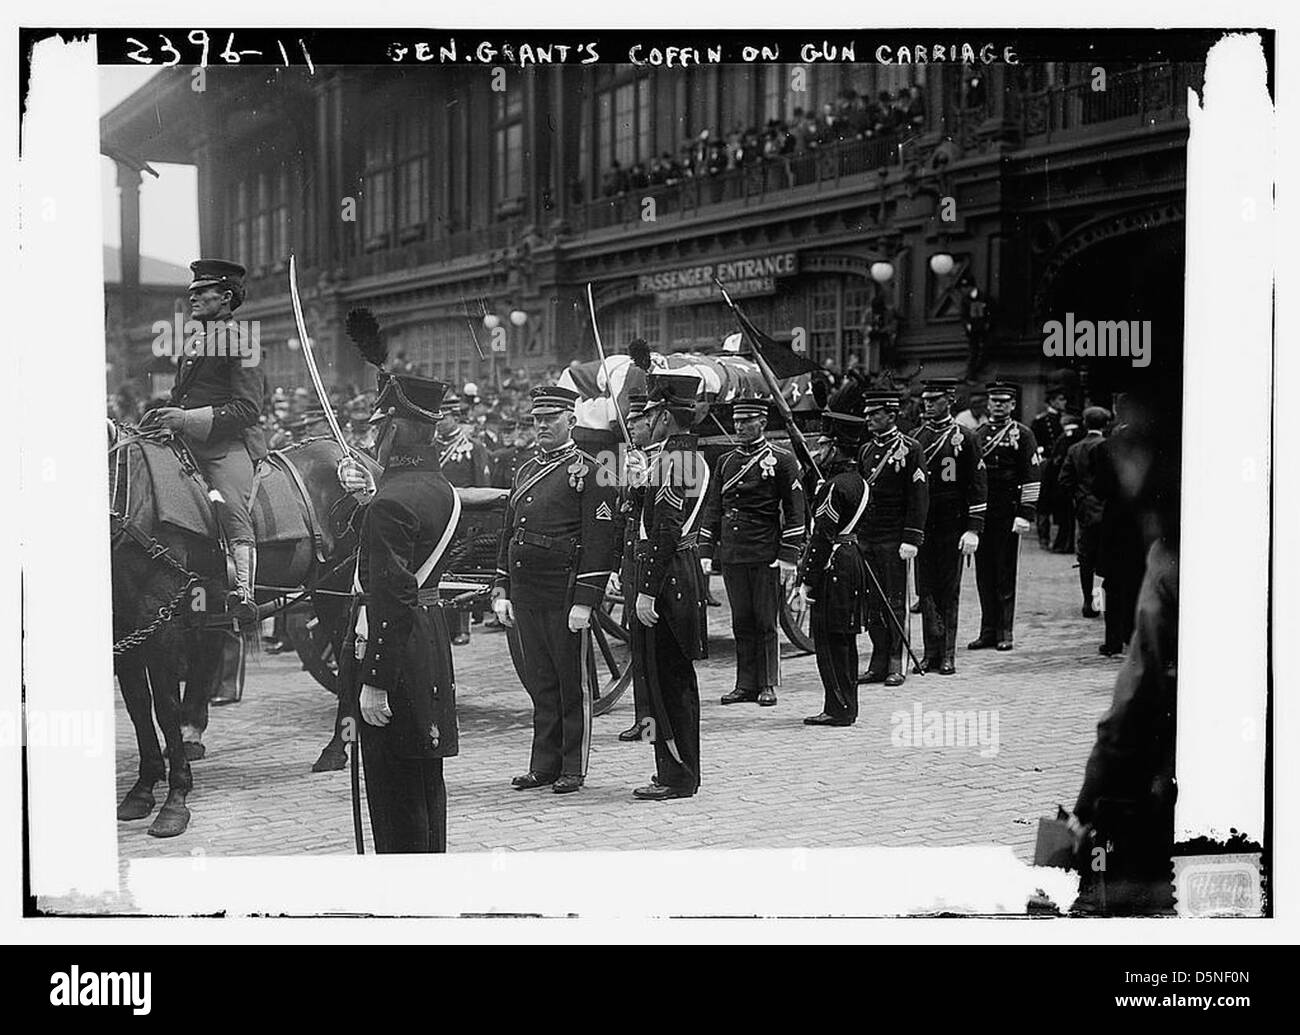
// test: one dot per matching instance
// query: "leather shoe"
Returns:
(873, 677)
(947, 669)
(1090, 612)
(823, 719)
(1005, 645)
(530, 780)
(739, 696)
(895, 679)
(981, 644)
(567, 784)
(657, 792)
(1110, 650)
(767, 697)
(633, 732)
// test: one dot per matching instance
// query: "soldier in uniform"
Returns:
(465, 464)
(1047, 428)
(216, 408)
(1011, 456)
(642, 456)
(669, 630)
(831, 574)
(519, 447)
(557, 552)
(958, 501)
(754, 520)
(398, 650)
(890, 532)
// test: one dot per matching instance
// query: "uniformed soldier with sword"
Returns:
(890, 532)
(1011, 456)
(638, 463)
(557, 552)
(754, 522)
(958, 500)
(832, 578)
(669, 627)
(398, 649)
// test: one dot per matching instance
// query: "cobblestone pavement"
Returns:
(768, 781)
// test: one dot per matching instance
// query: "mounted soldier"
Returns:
(215, 408)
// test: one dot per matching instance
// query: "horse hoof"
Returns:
(137, 804)
(171, 821)
(194, 750)
(330, 761)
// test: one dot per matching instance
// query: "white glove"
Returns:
(802, 597)
(1020, 526)
(355, 479)
(374, 705)
(906, 551)
(636, 468)
(645, 609)
(788, 569)
(579, 617)
(968, 543)
(502, 608)
(614, 587)
(706, 565)
(1099, 596)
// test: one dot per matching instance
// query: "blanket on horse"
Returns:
(280, 507)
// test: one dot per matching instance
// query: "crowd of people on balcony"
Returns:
(852, 116)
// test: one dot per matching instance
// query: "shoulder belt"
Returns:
(543, 469)
(996, 440)
(857, 514)
(731, 482)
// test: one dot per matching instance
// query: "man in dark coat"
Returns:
(640, 458)
(669, 631)
(1078, 480)
(890, 532)
(831, 575)
(216, 408)
(958, 501)
(1062, 500)
(398, 649)
(464, 462)
(1121, 550)
(1011, 456)
(557, 552)
(1047, 428)
(754, 522)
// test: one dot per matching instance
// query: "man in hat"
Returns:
(891, 530)
(976, 413)
(958, 500)
(398, 648)
(465, 464)
(1047, 427)
(754, 523)
(1077, 481)
(641, 458)
(216, 408)
(831, 574)
(669, 628)
(1011, 456)
(557, 552)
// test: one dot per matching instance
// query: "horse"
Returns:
(167, 568)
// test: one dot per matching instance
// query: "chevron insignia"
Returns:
(918, 475)
(603, 513)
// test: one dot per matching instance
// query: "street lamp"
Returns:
(491, 321)
(941, 264)
(518, 317)
(882, 272)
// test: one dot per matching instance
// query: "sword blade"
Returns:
(310, 357)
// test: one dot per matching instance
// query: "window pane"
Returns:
(514, 179)
(624, 144)
(644, 125)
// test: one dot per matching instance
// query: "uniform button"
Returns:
(522, 520)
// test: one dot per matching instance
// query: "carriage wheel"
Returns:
(795, 624)
(609, 660)
(311, 639)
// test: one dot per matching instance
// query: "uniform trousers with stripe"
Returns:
(553, 671)
(406, 797)
(669, 677)
(995, 576)
(938, 584)
(754, 592)
(837, 662)
(886, 638)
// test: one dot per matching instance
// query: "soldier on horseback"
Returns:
(215, 408)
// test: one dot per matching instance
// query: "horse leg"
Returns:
(199, 684)
(334, 755)
(174, 816)
(139, 800)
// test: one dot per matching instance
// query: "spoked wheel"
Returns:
(609, 661)
(794, 623)
(312, 639)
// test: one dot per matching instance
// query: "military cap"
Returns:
(880, 399)
(1003, 390)
(551, 400)
(939, 386)
(635, 404)
(405, 395)
(748, 409)
(214, 273)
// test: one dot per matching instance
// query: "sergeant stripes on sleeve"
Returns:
(1029, 492)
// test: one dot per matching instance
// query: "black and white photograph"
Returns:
(641, 473)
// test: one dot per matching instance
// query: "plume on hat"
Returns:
(363, 329)
(849, 398)
(639, 352)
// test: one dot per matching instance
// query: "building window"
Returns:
(413, 172)
(638, 318)
(508, 146)
(624, 123)
(239, 224)
(824, 318)
(377, 184)
(774, 92)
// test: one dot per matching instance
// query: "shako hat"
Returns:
(405, 395)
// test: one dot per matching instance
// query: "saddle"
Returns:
(281, 508)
